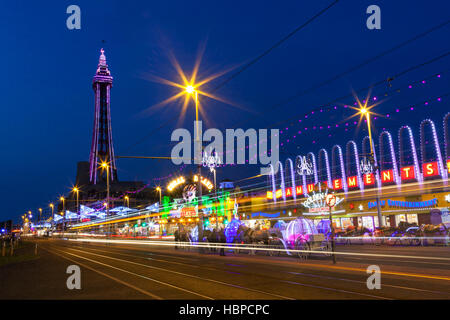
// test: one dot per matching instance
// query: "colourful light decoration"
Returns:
(446, 138)
(323, 153)
(440, 163)
(405, 175)
(341, 165)
(351, 145)
(399, 171)
(392, 154)
(175, 183)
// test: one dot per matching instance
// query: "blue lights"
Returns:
(404, 204)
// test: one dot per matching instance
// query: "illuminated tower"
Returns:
(102, 145)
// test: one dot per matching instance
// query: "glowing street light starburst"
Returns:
(191, 87)
(364, 110)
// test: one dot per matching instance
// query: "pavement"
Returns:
(141, 271)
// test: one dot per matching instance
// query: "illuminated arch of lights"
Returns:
(346, 175)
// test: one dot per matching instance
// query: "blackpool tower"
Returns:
(102, 149)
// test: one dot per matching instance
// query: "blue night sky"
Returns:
(47, 70)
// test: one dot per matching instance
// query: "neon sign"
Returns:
(317, 202)
(175, 183)
(430, 169)
(404, 204)
(208, 184)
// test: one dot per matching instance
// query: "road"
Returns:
(136, 271)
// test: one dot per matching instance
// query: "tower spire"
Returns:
(102, 145)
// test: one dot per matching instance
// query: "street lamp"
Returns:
(53, 217)
(365, 112)
(105, 166)
(64, 214)
(159, 190)
(127, 199)
(40, 215)
(77, 191)
(190, 90)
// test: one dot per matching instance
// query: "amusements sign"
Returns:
(317, 202)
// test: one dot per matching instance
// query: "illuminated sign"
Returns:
(430, 169)
(289, 192)
(404, 204)
(337, 184)
(310, 187)
(175, 183)
(408, 173)
(352, 182)
(369, 179)
(317, 202)
(188, 212)
(298, 190)
(208, 184)
(278, 193)
(448, 166)
(387, 176)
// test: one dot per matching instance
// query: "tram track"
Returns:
(197, 278)
(311, 281)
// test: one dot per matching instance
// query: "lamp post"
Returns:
(30, 216)
(191, 90)
(53, 217)
(106, 166)
(77, 191)
(40, 215)
(366, 113)
(64, 214)
(127, 199)
(215, 195)
(159, 190)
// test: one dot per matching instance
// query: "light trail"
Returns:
(108, 276)
(186, 274)
(135, 274)
(246, 247)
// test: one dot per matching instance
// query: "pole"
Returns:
(64, 217)
(199, 182)
(78, 206)
(215, 196)
(107, 197)
(372, 160)
(332, 236)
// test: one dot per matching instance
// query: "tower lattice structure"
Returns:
(102, 149)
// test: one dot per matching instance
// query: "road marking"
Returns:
(244, 247)
(138, 275)
(189, 275)
(415, 275)
(109, 276)
(337, 290)
(364, 282)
